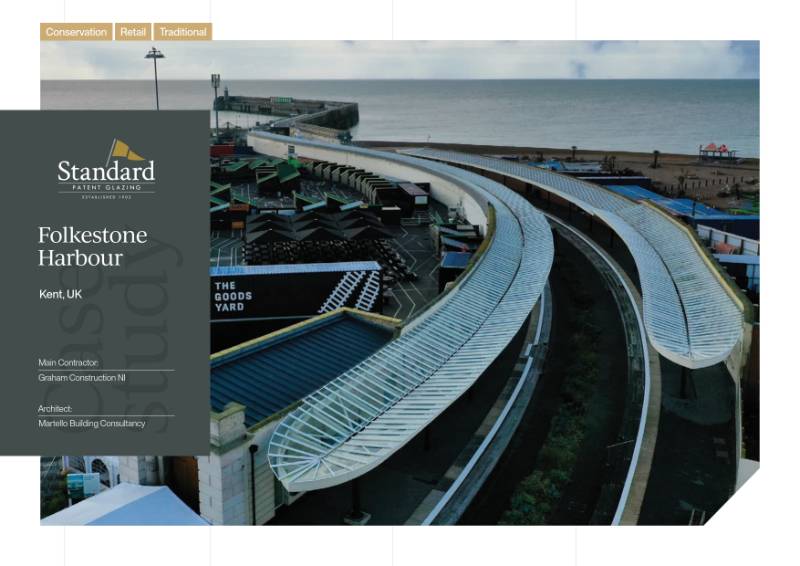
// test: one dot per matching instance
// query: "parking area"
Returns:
(415, 245)
(226, 248)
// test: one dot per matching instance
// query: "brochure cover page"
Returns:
(396, 283)
(514, 301)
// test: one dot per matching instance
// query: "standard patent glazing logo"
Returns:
(125, 173)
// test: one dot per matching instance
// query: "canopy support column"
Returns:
(356, 516)
(686, 376)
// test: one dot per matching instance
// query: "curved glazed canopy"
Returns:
(690, 318)
(359, 419)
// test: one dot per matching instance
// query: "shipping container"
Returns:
(223, 149)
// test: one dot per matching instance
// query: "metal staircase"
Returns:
(342, 291)
(369, 293)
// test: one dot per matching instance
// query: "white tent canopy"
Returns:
(128, 504)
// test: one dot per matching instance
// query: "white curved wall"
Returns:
(443, 189)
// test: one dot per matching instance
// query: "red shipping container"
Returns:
(218, 150)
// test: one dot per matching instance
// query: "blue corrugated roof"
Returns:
(459, 244)
(733, 217)
(283, 269)
(553, 165)
(739, 258)
(271, 375)
(455, 259)
(682, 206)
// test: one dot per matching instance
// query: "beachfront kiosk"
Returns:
(714, 151)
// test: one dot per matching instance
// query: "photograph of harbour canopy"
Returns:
(459, 283)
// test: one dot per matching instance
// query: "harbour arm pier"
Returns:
(324, 120)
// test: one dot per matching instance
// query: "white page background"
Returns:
(759, 524)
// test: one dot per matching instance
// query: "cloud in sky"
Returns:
(405, 60)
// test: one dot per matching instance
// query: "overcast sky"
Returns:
(404, 60)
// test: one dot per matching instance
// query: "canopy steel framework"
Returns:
(355, 422)
(690, 318)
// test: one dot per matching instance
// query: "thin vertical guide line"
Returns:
(576, 19)
(576, 546)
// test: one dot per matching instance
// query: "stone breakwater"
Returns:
(326, 119)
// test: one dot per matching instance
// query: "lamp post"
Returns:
(155, 54)
(215, 84)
